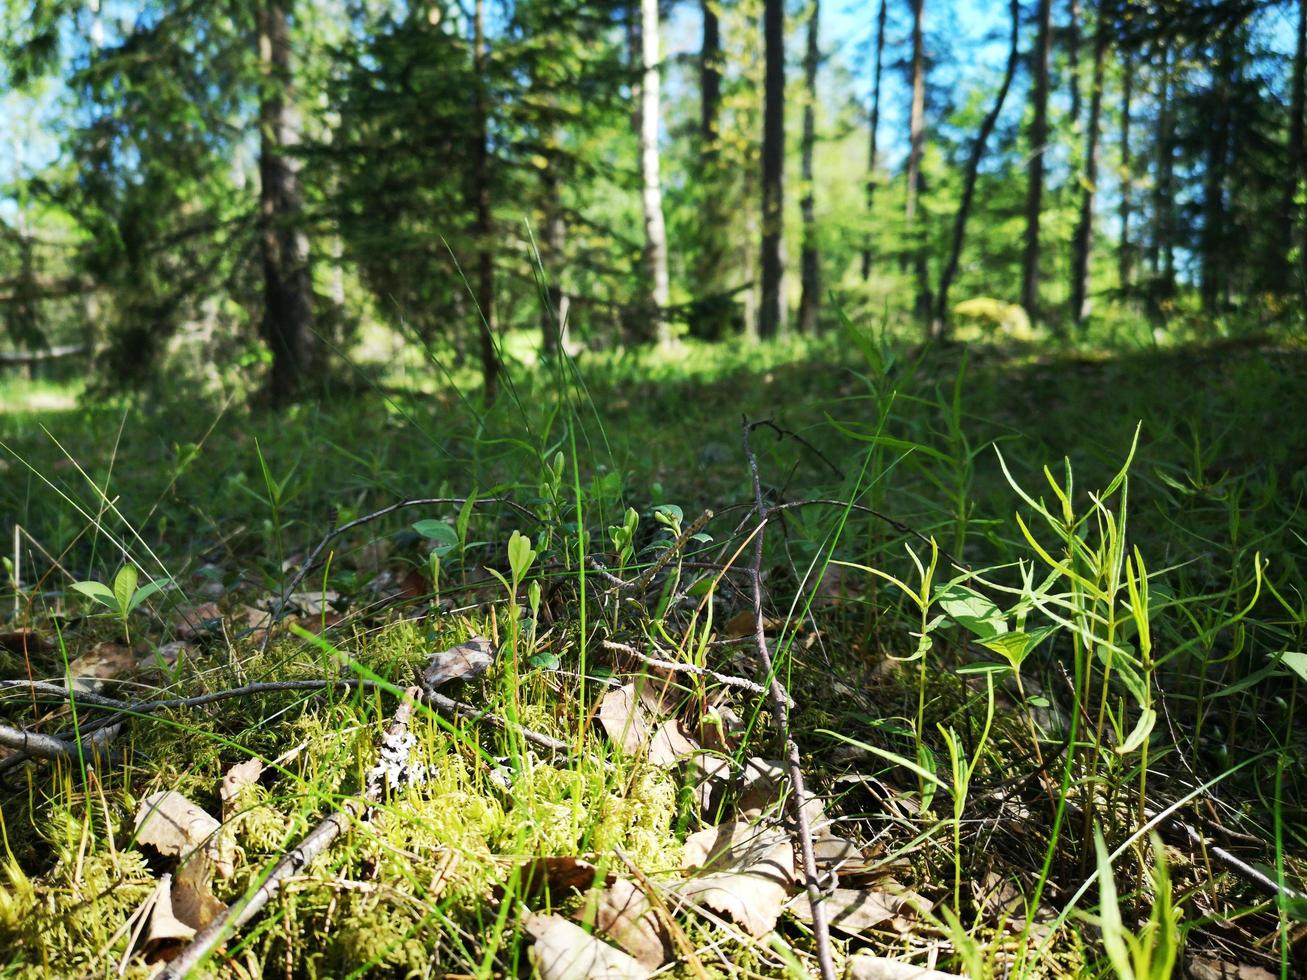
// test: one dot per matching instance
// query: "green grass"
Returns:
(1147, 609)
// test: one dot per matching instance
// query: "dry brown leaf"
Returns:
(623, 718)
(257, 621)
(751, 871)
(24, 641)
(710, 774)
(176, 827)
(866, 967)
(313, 604)
(103, 662)
(624, 913)
(743, 624)
(164, 926)
(236, 778)
(1202, 968)
(556, 877)
(670, 744)
(189, 622)
(464, 662)
(854, 910)
(193, 901)
(170, 653)
(721, 729)
(565, 951)
(761, 787)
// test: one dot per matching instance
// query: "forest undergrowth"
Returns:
(395, 684)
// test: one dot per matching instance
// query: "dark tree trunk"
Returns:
(1213, 275)
(287, 279)
(1084, 233)
(1035, 179)
(1161, 248)
(916, 148)
(1073, 61)
(1125, 253)
(810, 258)
(771, 310)
(710, 77)
(1291, 213)
(939, 323)
(875, 130)
(485, 290)
(553, 314)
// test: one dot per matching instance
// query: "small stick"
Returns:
(317, 841)
(32, 744)
(307, 565)
(780, 711)
(726, 680)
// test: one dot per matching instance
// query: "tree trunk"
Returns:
(651, 197)
(710, 78)
(875, 129)
(939, 322)
(1125, 256)
(553, 313)
(1161, 248)
(1291, 213)
(916, 147)
(287, 280)
(1213, 280)
(1085, 226)
(771, 309)
(810, 259)
(1035, 178)
(484, 219)
(1073, 61)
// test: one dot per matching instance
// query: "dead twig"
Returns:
(726, 680)
(781, 715)
(307, 565)
(317, 841)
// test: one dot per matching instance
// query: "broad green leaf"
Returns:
(145, 591)
(1296, 661)
(520, 555)
(444, 537)
(98, 591)
(1014, 647)
(669, 514)
(124, 587)
(972, 611)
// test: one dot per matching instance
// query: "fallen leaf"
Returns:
(721, 729)
(623, 718)
(24, 641)
(670, 744)
(751, 871)
(464, 662)
(236, 778)
(103, 662)
(164, 926)
(865, 967)
(855, 910)
(555, 877)
(624, 913)
(710, 776)
(313, 603)
(565, 951)
(1202, 968)
(193, 901)
(176, 827)
(257, 621)
(170, 653)
(743, 623)
(761, 787)
(189, 622)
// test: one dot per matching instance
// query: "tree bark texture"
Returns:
(1084, 234)
(771, 308)
(939, 322)
(810, 258)
(284, 246)
(651, 196)
(1035, 171)
(875, 130)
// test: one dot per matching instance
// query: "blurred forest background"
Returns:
(250, 189)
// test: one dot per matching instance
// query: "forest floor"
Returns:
(396, 685)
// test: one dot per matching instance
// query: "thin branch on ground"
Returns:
(317, 841)
(308, 564)
(781, 715)
(726, 680)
